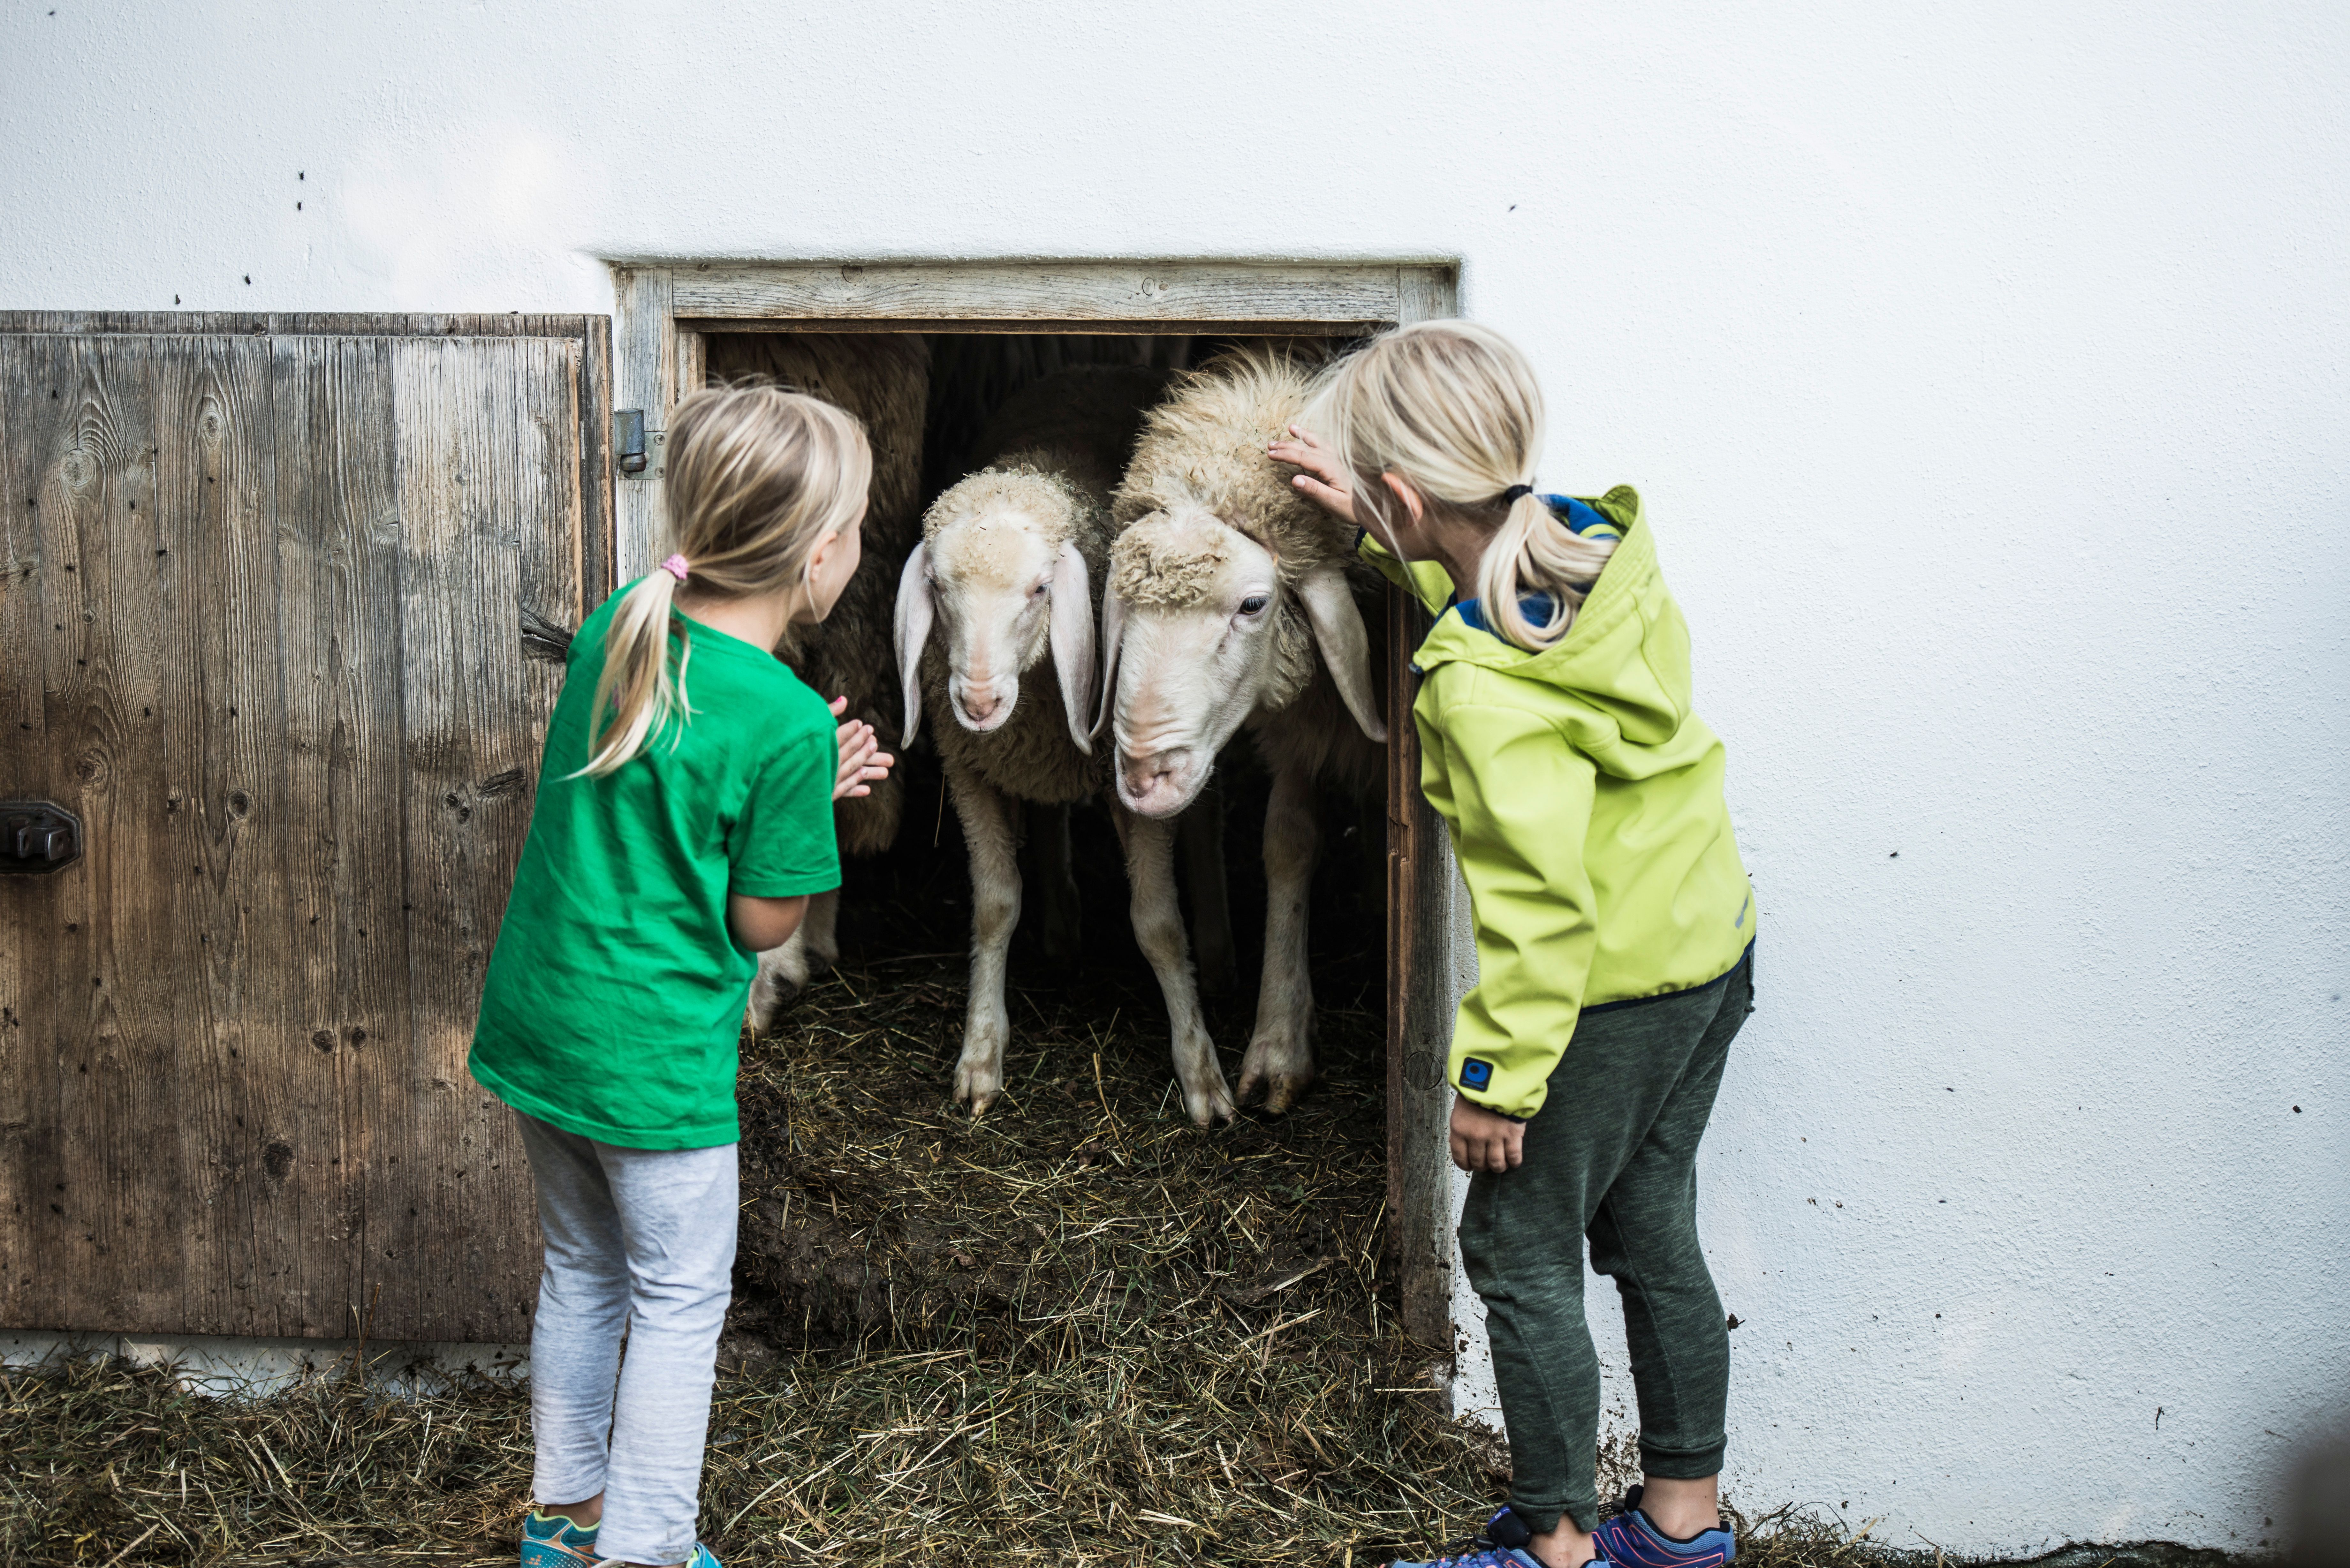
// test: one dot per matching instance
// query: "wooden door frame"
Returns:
(664, 309)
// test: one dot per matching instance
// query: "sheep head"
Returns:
(1000, 576)
(1202, 629)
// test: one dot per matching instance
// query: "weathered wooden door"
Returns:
(274, 602)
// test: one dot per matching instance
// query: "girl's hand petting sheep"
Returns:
(1323, 481)
(863, 763)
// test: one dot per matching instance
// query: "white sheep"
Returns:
(1005, 573)
(1232, 601)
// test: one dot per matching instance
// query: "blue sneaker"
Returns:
(1633, 1539)
(1503, 1544)
(551, 1541)
(1477, 1557)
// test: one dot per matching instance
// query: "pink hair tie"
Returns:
(675, 567)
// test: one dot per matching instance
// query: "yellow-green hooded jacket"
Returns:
(1584, 798)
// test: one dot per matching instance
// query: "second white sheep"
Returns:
(995, 638)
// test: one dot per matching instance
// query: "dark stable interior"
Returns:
(878, 1212)
(916, 899)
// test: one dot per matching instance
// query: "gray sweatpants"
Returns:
(1612, 1156)
(639, 1242)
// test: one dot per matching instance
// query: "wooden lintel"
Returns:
(1032, 328)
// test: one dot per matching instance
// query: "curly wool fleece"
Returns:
(1205, 449)
(1047, 500)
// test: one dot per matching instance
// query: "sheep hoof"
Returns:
(977, 1084)
(1210, 1106)
(1280, 1073)
(768, 995)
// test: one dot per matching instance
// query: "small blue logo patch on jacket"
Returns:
(1740, 923)
(1476, 1075)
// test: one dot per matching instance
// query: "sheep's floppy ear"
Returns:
(1346, 644)
(1113, 626)
(914, 613)
(1072, 641)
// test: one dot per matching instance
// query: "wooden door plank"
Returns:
(67, 455)
(338, 561)
(470, 464)
(110, 1086)
(27, 921)
(267, 1103)
(593, 410)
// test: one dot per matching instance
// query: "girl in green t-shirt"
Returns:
(684, 818)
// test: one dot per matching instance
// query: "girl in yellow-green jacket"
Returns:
(1614, 918)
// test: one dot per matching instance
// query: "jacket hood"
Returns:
(1625, 660)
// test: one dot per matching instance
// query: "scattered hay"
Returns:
(1081, 1327)
(1079, 1332)
(105, 1462)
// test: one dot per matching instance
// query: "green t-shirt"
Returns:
(614, 1000)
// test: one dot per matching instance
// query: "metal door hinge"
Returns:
(635, 449)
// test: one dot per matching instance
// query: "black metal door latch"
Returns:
(37, 837)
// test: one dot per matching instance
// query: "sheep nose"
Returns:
(1141, 772)
(980, 705)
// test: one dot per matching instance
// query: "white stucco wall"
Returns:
(1985, 369)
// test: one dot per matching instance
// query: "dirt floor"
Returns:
(1079, 1331)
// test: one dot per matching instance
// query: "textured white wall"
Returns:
(1984, 370)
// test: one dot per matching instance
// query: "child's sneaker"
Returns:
(551, 1541)
(702, 1558)
(1633, 1539)
(1479, 1557)
(1503, 1544)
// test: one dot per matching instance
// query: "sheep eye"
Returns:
(1039, 589)
(1253, 605)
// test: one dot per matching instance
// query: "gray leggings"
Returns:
(1612, 1156)
(639, 1242)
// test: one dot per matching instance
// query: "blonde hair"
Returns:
(1453, 408)
(757, 477)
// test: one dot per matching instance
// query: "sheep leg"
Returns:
(988, 831)
(822, 927)
(1159, 930)
(1048, 835)
(1202, 831)
(1280, 1059)
(782, 974)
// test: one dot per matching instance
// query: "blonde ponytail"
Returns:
(636, 690)
(1453, 408)
(1533, 553)
(757, 478)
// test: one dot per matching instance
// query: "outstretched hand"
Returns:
(863, 763)
(1324, 479)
